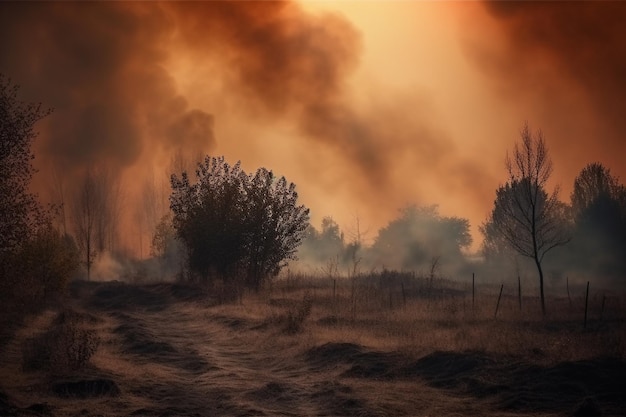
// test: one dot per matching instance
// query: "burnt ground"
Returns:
(166, 350)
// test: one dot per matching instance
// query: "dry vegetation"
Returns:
(384, 344)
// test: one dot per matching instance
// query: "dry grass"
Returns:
(320, 348)
(65, 347)
(430, 316)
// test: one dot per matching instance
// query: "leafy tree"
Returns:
(168, 249)
(530, 220)
(164, 236)
(38, 269)
(209, 217)
(275, 225)
(599, 214)
(36, 261)
(419, 236)
(233, 224)
(20, 212)
(49, 259)
(495, 247)
(325, 244)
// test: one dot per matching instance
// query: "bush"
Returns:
(237, 225)
(65, 347)
(37, 271)
(296, 315)
(34, 275)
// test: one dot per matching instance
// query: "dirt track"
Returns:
(164, 352)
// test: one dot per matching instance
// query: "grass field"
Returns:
(378, 345)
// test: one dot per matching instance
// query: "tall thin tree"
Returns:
(529, 219)
(84, 208)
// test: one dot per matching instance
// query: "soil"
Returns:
(166, 350)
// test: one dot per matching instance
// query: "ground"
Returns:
(171, 350)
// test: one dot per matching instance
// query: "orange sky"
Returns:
(366, 106)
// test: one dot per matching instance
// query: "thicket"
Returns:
(239, 229)
(36, 260)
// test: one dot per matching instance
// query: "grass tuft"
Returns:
(65, 347)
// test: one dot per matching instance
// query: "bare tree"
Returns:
(95, 213)
(84, 209)
(108, 195)
(529, 219)
(154, 206)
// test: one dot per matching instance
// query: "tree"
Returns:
(36, 260)
(324, 245)
(275, 225)
(20, 212)
(419, 236)
(529, 219)
(593, 183)
(84, 210)
(95, 206)
(167, 249)
(599, 214)
(209, 217)
(234, 224)
(48, 259)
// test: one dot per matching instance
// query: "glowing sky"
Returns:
(366, 106)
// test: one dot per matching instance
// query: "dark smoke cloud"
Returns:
(583, 43)
(107, 70)
(283, 61)
(100, 66)
(564, 64)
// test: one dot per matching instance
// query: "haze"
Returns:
(366, 106)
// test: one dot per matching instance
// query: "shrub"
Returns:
(35, 273)
(65, 347)
(237, 225)
(297, 314)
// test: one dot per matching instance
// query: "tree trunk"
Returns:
(543, 301)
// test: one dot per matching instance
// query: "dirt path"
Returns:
(200, 366)
(172, 358)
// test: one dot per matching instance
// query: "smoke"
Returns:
(100, 66)
(286, 64)
(560, 65)
(107, 268)
(418, 240)
(563, 65)
(122, 78)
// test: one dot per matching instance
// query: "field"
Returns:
(375, 346)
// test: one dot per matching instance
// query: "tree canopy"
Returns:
(324, 245)
(599, 215)
(19, 209)
(235, 225)
(420, 235)
(36, 261)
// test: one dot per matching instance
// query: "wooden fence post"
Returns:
(498, 305)
(519, 292)
(568, 297)
(473, 292)
(586, 304)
